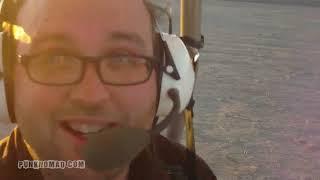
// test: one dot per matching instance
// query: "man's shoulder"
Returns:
(6, 165)
(3, 144)
(176, 156)
(6, 145)
(12, 150)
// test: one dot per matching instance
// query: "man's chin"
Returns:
(68, 146)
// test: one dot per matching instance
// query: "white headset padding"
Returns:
(4, 115)
(185, 85)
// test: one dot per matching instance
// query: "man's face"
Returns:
(88, 28)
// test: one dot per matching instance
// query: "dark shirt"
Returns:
(167, 162)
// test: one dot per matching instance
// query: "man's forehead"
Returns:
(34, 12)
(50, 16)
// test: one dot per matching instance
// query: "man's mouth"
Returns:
(82, 128)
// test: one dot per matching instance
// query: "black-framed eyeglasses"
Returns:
(59, 70)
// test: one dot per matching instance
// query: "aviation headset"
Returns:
(176, 69)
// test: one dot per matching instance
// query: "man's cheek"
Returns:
(142, 117)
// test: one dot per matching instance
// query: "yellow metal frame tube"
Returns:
(190, 27)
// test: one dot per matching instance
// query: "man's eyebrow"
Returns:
(128, 36)
(49, 37)
(64, 39)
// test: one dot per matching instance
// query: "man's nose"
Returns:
(90, 91)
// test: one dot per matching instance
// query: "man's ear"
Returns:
(157, 50)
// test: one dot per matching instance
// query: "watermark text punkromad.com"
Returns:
(51, 164)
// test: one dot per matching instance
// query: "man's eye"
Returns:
(53, 60)
(122, 59)
(124, 63)
(59, 59)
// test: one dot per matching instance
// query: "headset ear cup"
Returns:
(177, 73)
